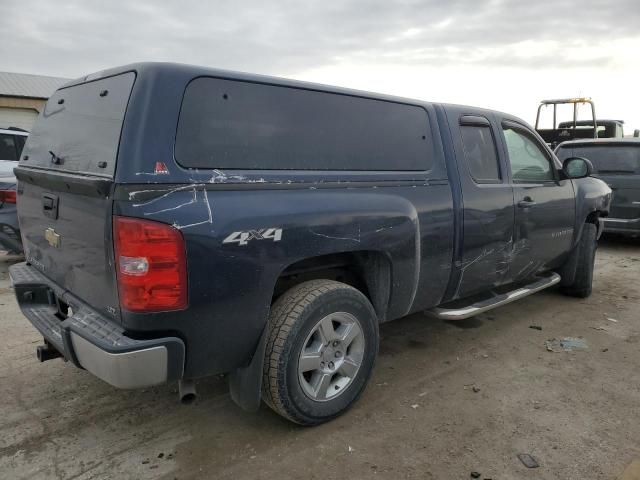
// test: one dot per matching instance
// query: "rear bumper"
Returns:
(90, 340)
(622, 225)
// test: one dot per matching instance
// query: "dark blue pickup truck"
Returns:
(180, 222)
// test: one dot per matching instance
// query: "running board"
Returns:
(495, 301)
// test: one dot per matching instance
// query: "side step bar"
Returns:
(495, 301)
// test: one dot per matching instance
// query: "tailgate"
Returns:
(64, 188)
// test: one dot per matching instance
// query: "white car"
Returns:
(11, 143)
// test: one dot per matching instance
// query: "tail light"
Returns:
(8, 196)
(151, 265)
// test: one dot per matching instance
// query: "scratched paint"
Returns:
(199, 197)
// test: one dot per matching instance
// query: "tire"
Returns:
(321, 350)
(586, 255)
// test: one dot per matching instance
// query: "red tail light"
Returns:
(151, 265)
(8, 196)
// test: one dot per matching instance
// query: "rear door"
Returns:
(488, 212)
(545, 205)
(64, 188)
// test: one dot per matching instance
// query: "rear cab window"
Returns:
(606, 158)
(9, 149)
(79, 129)
(252, 126)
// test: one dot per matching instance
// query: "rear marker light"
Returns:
(151, 260)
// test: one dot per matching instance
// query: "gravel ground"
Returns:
(446, 399)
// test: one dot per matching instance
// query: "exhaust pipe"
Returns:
(47, 352)
(186, 391)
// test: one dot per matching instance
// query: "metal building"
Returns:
(22, 97)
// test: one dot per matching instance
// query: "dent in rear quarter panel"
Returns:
(231, 285)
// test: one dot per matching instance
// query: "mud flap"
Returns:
(600, 227)
(245, 384)
(568, 271)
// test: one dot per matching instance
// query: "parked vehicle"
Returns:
(12, 142)
(575, 129)
(603, 129)
(185, 222)
(617, 162)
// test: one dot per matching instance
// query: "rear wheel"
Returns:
(321, 351)
(586, 255)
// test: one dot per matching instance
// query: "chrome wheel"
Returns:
(331, 356)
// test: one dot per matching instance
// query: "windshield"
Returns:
(79, 128)
(606, 158)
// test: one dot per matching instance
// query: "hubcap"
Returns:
(331, 356)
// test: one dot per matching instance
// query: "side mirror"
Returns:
(577, 167)
(636, 133)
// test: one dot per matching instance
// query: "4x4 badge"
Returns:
(242, 238)
(52, 237)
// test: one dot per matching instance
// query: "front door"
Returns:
(545, 204)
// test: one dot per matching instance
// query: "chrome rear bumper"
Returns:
(90, 340)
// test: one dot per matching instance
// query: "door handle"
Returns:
(526, 202)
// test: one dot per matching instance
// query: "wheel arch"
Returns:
(369, 271)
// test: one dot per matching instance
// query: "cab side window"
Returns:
(529, 163)
(480, 153)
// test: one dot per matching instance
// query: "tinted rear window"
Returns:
(81, 126)
(242, 125)
(607, 158)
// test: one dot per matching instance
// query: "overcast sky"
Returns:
(503, 54)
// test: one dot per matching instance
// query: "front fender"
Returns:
(593, 199)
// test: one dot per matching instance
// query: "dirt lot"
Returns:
(575, 411)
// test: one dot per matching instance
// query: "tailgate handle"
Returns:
(50, 205)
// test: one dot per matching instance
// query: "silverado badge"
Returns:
(52, 237)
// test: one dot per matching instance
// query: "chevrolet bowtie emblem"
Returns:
(52, 237)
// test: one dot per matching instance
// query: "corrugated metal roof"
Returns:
(26, 85)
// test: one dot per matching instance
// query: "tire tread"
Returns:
(284, 314)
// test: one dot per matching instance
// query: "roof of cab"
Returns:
(601, 141)
(599, 121)
(14, 131)
(194, 71)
